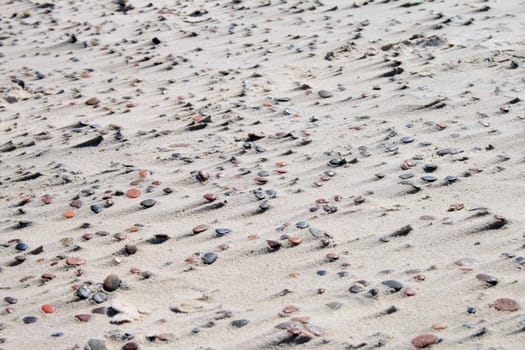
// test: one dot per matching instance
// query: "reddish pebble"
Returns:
(83, 317)
(419, 278)
(506, 304)
(290, 309)
(210, 197)
(424, 340)
(75, 261)
(87, 236)
(48, 309)
(144, 174)
(409, 292)
(294, 331)
(133, 193)
(68, 214)
(92, 101)
(130, 346)
(47, 276)
(295, 240)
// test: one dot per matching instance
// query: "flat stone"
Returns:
(30, 319)
(76, 203)
(295, 240)
(239, 323)
(83, 317)
(111, 283)
(219, 232)
(506, 304)
(99, 297)
(200, 228)
(407, 139)
(428, 178)
(209, 258)
(302, 224)
(92, 101)
(95, 208)
(393, 284)
(210, 197)
(490, 280)
(133, 193)
(424, 340)
(75, 261)
(48, 309)
(148, 203)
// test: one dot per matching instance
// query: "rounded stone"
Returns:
(130, 346)
(424, 340)
(130, 249)
(491, 280)
(290, 309)
(429, 178)
(95, 208)
(68, 214)
(99, 297)
(148, 203)
(133, 193)
(209, 258)
(30, 319)
(21, 246)
(393, 284)
(506, 304)
(325, 94)
(302, 224)
(407, 139)
(295, 240)
(200, 228)
(111, 283)
(83, 317)
(75, 261)
(93, 101)
(76, 203)
(222, 231)
(210, 197)
(48, 309)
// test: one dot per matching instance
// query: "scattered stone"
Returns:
(111, 283)
(424, 340)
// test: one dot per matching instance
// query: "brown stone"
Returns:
(200, 228)
(92, 101)
(210, 197)
(111, 283)
(83, 317)
(290, 309)
(48, 309)
(68, 214)
(295, 240)
(506, 304)
(424, 340)
(133, 193)
(74, 261)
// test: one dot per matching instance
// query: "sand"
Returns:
(233, 89)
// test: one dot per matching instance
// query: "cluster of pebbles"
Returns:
(261, 174)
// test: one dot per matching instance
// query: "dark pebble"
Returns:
(222, 231)
(130, 249)
(335, 162)
(83, 292)
(428, 168)
(429, 178)
(130, 346)
(451, 179)
(95, 208)
(490, 280)
(393, 284)
(30, 319)
(209, 258)
(76, 203)
(148, 203)
(21, 246)
(155, 41)
(325, 94)
(57, 334)
(302, 224)
(240, 323)
(406, 176)
(11, 300)
(322, 272)
(407, 139)
(471, 310)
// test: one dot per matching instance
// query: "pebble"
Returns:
(490, 280)
(295, 240)
(424, 340)
(148, 203)
(130, 346)
(93, 101)
(219, 232)
(210, 197)
(95, 208)
(130, 249)
(30, 319)
(200, 228)
(75, 261)
(209, 258)
(325, 94)
(83, 317)
(239, 323)
(21, 246)
(48, 309)
(393, 285)
(506, 304)
(428, 178)
(99, 297)
(133, 193)
(111, 283)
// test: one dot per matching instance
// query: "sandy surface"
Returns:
(232, 89)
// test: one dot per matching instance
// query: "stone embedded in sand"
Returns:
(92, 101)
(325, 94)
(144, 174)
(130, 249)
(68, 214)
(490, 280)
(424, 340)
(393, 285)
(76, 203)
(239, 323)
(47, 199)
(148, 203)
(290, 309)
(200, 228)
(210, 197)
(219, 232)
(30, 319)
(75, 261)
(83, 317)
(133, 193)
(111, 283)
(295, 240)
(130, 346)
(48, 309)
(506, 304)
(209, 258)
